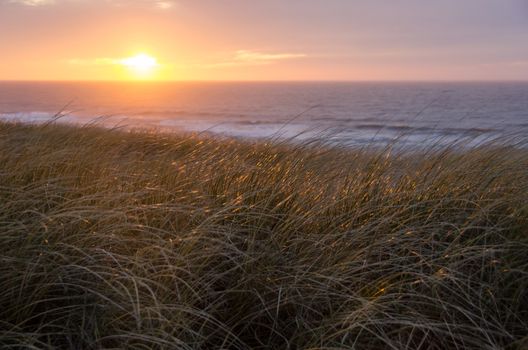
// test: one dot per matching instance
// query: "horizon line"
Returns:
(268, 81)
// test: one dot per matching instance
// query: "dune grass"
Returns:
(136, 240)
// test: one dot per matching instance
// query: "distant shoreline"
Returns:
(415, 114)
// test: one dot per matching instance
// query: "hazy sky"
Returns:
(265, 39)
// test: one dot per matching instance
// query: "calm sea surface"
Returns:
(351, 113)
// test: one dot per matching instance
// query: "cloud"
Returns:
(33, 2)
(238, 58)
(165, 5)
(95, 61)
(253, 58)
(158, 4)
(260, 57)
(140, 59)
(519, 63)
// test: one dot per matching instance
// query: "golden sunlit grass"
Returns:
(149, 241)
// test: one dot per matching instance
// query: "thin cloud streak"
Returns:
(104, 61)
(95, 61)
(253, 58)
(239, 58)
(159, 4)
(165, 5)
(33, 2)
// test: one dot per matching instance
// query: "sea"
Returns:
(345, 113)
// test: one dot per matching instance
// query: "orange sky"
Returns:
(264, 40)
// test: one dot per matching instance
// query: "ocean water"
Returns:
(345, 113)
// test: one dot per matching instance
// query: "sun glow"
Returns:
(141, 65)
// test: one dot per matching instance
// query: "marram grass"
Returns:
(136, 240)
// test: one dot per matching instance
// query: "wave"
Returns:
(424, 129)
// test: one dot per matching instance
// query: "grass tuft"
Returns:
(139, 240)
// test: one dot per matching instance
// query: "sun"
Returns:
(142, 65)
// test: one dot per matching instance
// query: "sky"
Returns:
(352, 40)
